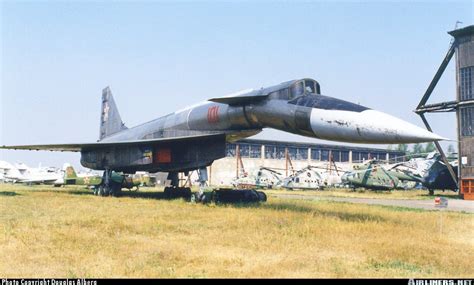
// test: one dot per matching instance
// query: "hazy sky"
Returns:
(158, 57)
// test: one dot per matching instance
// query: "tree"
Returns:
(451, 149)
(402, 147)
(418, 148)
(430, 147)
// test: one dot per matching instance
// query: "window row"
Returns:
(301, 153)
(467, 121)
(466, 78)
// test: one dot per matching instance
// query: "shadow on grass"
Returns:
(124, 194)
(79, 192)
(452, 195)
(315, 211)
(159, 195)
(145, 195)
(65, 191)
(8, 193)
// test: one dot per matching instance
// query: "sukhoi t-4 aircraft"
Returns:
(192, 138)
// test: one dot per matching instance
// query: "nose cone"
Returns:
(401, 131)
(367, 126)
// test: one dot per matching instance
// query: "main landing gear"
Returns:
(225, 195)
(175, 191)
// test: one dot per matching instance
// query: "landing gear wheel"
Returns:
(262, 196)
(186, 193)
(202, 197)
(115, 189)
(238, 196)
(101, 191)
(167, 192)
(177, 192)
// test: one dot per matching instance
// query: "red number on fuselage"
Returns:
(213, 114)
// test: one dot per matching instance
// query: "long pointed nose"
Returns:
(366, 126)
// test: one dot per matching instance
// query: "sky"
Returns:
(157, 57)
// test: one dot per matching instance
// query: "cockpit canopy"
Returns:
(287, 91)
(294, 89)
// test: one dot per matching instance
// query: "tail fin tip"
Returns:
(110, 120)
(70, 173)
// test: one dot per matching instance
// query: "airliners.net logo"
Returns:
(439, 282)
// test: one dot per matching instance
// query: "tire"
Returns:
(167, 192)
(262, 196)
(186, 193)
(116, 189)
(101, 191)
(106, 191)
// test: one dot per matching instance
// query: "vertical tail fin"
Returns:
(110, 121)
(70, 173)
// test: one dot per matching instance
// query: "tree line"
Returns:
(418, 148)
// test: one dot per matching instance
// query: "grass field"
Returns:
(364, 193)
(67, 232)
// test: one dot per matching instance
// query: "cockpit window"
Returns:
(297, 89)
(326, 103)
(309, 86)
(280, 94)
(283, 94)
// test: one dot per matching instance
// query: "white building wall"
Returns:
(224, 170)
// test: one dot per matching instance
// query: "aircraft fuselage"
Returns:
(295, 106)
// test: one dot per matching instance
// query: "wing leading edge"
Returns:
(98, 145)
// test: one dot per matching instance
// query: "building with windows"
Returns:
(248, 155)
(464, 39)
(275, 150)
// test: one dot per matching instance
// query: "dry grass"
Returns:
(364, 193)
(50, 232)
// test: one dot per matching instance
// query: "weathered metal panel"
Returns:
(117, 157)
(178, 155)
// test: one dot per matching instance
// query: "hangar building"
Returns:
(251, 154)
(465, 112)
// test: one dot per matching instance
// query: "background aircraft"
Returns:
(95, 180)
(372, 175)
(71, 178)
(307, 178)
(438, 176)
(432, 171)
(21, 173)
(263, 177)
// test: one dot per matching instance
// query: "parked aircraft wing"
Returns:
(238, 100)
(89, 146)
(38, 180)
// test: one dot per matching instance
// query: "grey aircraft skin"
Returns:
(194, 137)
